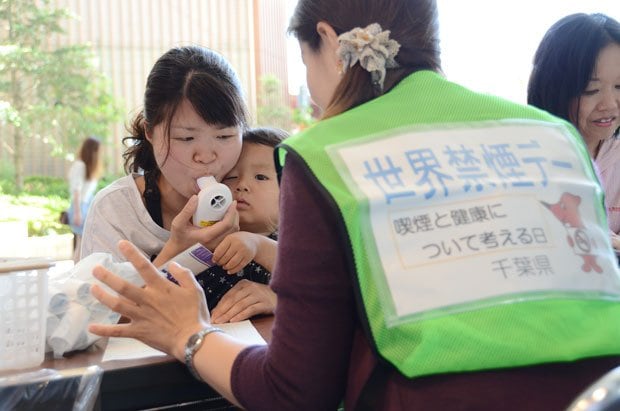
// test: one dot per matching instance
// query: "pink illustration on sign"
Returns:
(567, 211)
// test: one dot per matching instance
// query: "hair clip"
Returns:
(372, 47)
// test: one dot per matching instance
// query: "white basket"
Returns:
(23, 307)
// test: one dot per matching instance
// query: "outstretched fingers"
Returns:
(184, 276)
(118, 304)
(118, 284)
(145, 268)
(112, 330)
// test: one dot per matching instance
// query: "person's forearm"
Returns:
(214, 361)
(266, 252)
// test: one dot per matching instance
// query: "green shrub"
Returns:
(7, 186)
(46, 187)
(7, 169)
(39, 204)
(37, 186)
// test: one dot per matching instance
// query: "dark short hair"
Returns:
(565, 61)
(197, 74)
(413, 23)
(267, 136)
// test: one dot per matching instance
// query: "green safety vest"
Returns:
(495, 335)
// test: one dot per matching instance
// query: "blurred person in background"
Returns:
(83, 177)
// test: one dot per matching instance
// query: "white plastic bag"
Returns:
(72, 307)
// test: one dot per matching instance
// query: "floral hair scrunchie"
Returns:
(373, 49)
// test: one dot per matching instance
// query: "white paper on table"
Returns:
(130, 348)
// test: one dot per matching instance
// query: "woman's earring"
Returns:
(340, 68)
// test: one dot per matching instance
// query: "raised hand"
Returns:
(161, 314)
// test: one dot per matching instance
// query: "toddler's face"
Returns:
(254, 184)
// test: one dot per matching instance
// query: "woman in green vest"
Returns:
(378, 330)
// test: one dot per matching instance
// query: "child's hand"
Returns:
(245, 300)
(183, 234)
(236, 250)
(213, 235)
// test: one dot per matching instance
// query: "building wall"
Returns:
(270, 41)
(129, 35)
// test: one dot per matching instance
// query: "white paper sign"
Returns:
(468, 215)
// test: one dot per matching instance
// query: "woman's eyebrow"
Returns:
(185, 128)
(190, 128)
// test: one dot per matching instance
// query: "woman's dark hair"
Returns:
(89, 154)
(197, 74)
(267, 136)
(412, 23)
(566, 59)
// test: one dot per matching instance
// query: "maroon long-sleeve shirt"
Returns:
(319, 356)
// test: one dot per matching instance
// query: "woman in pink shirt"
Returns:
(576, 76)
